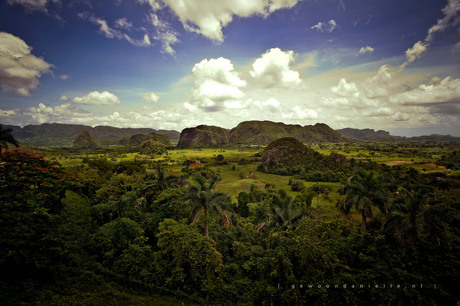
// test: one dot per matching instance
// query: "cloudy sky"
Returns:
(171, 64)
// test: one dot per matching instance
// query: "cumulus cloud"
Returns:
(380, 84)
(63, 98)
(97, 98)
(345, 89)
(7, 113)
(273, 69)
(208, 17)
(300, 113)
(329, 26)
(19, 68)
(436, 91)
(63, 112)
(416, 51)
(216, 82)
(150, 97)
(64, 76)
(271, 105)
(367, 49)
(34, 5)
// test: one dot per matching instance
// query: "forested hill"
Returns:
(380, 135)
(368, 135)
(256, 132)
(56, 134)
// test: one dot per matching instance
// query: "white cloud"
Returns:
(63, 98)
(7, 113)
(367, 49)
(329, 26)
(164, 33)
(299, 113)
(97, 98)
(111, 33)
(34, 5)
(216, 82)
(344, 89)
(271, 105)
(416, 51)
(150, 97)
(456, 48)
(450, 11)
(19, 69)
(123, 23)
(273, 69)
(450, 19)
(436, 91)
(208, 17)
(63, 112)
(380, 84)
(64, 76)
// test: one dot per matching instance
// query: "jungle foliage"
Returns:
(68, 232)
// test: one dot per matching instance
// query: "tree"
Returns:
(283, 212)
(31, 193)
(5, 138)
(364, 190)
(205, 200)
(318, 190)
(187, 259)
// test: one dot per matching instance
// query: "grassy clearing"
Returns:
(235, 175)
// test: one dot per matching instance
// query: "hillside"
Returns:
(56, 134)
(368, 135)
(138, 139)
(256, 132)
(264, 132)
(203, 136)
(85, 140)
(380, 135)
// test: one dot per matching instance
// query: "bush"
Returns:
(297, 186)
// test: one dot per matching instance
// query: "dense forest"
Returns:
(104, 229)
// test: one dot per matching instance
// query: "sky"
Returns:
(170, 64)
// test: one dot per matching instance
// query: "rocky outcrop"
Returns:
(264, 132)
(137, 139)
(203, 136)
(85, 140)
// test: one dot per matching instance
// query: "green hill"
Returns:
(138, 139)
(85, 140)
(256, 132)
(203, 136)
(287, 155)
(56, 134)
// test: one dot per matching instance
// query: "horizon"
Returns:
(180, 131)
(388, 66)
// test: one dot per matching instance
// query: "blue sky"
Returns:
(171, 64)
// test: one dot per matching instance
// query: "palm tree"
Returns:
(319, 190)
(285, 212)
(6, 137)
(407, 214)
(365, 191)
(205, 201)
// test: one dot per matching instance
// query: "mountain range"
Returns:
(247, 132)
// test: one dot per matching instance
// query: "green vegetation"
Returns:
(286, 224)
(56, 134)
(203, 136)
(85, 140)
(255, 133)
(6, 138)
